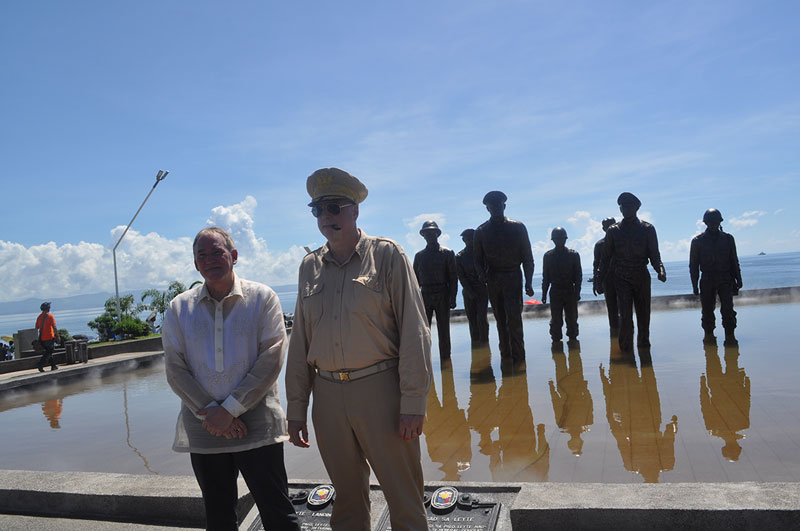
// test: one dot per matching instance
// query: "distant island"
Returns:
(762, 253)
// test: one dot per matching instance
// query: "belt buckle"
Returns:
(344, 376)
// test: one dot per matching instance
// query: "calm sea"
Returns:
(758, 272)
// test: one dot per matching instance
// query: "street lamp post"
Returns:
(160, 176)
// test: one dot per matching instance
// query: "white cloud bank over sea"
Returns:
(143, 260)
(151, 260)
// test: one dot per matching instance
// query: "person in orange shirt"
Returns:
(48, 335)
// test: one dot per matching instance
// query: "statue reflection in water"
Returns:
(633, 410)
(521, 451)
(446, 430)
(52, 410)
(572, 402)
(725, 399)
(482, 409)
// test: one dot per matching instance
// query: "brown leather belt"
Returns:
(348, 375)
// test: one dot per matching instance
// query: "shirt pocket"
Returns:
(313, 304)
(368, 294)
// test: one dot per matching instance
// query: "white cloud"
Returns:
(51, 271)
(414, 241)
(256, 261)
(674, 251)
(747, 219)
(143, 260)
(701, 226)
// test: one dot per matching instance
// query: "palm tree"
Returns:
(159, 300)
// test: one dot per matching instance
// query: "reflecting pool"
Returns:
(685, 413)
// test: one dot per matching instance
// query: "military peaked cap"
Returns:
(494, 196)
(627, 197)
(333, 183)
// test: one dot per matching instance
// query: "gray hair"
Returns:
(214, 230)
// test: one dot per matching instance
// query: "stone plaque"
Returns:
(314, 515)
(468, 514)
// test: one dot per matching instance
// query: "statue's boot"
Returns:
(730, 338)
(709, 338)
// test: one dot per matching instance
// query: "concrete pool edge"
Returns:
(27, 379)
(176, 500)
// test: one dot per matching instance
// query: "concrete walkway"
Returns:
(32, 377)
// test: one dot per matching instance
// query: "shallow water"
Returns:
(689, 414)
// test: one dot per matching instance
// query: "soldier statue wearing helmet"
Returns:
(435, 267)
(607, 288)
(561, 269)
(713, 253)
(630, 244)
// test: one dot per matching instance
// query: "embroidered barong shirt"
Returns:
(227, 353)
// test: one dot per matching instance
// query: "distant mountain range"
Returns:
(93, 300)
(76, 302)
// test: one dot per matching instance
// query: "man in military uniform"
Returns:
(476, 295)
(607, 289)
(714, 253)
(361, 343)
(562, 269)
(435, 267)
(501, 245)
(630, 244)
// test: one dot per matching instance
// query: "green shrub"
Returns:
(65, 335)
(131, 327)
(104, 325)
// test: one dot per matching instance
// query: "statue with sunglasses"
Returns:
(501, 245)
(435, 268)
(607, 288)
(476, 295)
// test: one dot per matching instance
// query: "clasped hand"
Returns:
(220, 423)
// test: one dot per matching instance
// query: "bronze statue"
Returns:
(607, 289)
(475, 292)
(630, 244)
(562, 269)
(714, 253)
(501, 245)
(435, 267)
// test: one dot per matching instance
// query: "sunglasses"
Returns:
(332, 208)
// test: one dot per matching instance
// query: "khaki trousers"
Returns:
(357, 422)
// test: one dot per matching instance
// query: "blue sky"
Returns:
(690, 105)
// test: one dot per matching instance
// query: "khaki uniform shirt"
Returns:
(355, 314)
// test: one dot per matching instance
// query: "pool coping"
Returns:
(176, 501)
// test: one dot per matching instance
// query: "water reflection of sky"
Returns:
(692, 414)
